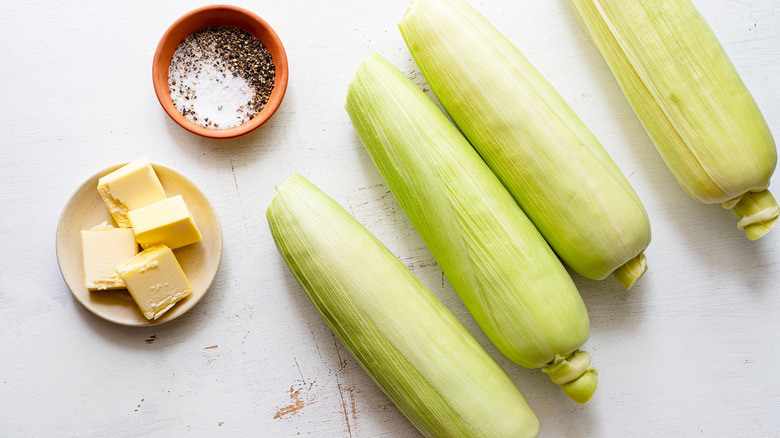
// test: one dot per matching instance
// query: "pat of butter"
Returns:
(103, 248)
(155, 280)
(166, 222)
(132, 186)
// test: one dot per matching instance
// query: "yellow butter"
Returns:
(167, 222)
(130, 187)
(155, 280)
(103, 248)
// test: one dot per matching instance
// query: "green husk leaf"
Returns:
(406, 340)
(552, 164)
(688, 95)
(507, 276)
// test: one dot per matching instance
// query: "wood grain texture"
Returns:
(692, 350)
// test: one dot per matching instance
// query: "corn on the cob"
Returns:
(551, 163)
(691, 101)
(508, 277)
(406, 340)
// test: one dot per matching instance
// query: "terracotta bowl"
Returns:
(218, 16)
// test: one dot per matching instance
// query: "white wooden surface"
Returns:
(693, 350)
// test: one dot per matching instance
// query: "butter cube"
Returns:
(132, 186)
(155, 280)
(103, 248)
(167, 222)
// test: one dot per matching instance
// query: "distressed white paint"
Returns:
(691, 351)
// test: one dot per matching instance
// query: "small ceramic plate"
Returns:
(200, 261)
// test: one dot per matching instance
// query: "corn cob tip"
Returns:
(582, 389)
(575, 374)
(631, 271)
(757, 212)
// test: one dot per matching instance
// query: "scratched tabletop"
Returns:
(692, 350)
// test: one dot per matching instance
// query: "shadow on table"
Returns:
(244, 150)
(152, 337)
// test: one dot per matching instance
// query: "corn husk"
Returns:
(691, 101)
(507, 276)
(405, 339)
(552, 164)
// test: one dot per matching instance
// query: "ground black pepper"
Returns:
(205, 66)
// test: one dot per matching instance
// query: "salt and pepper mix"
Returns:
(220, 77)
